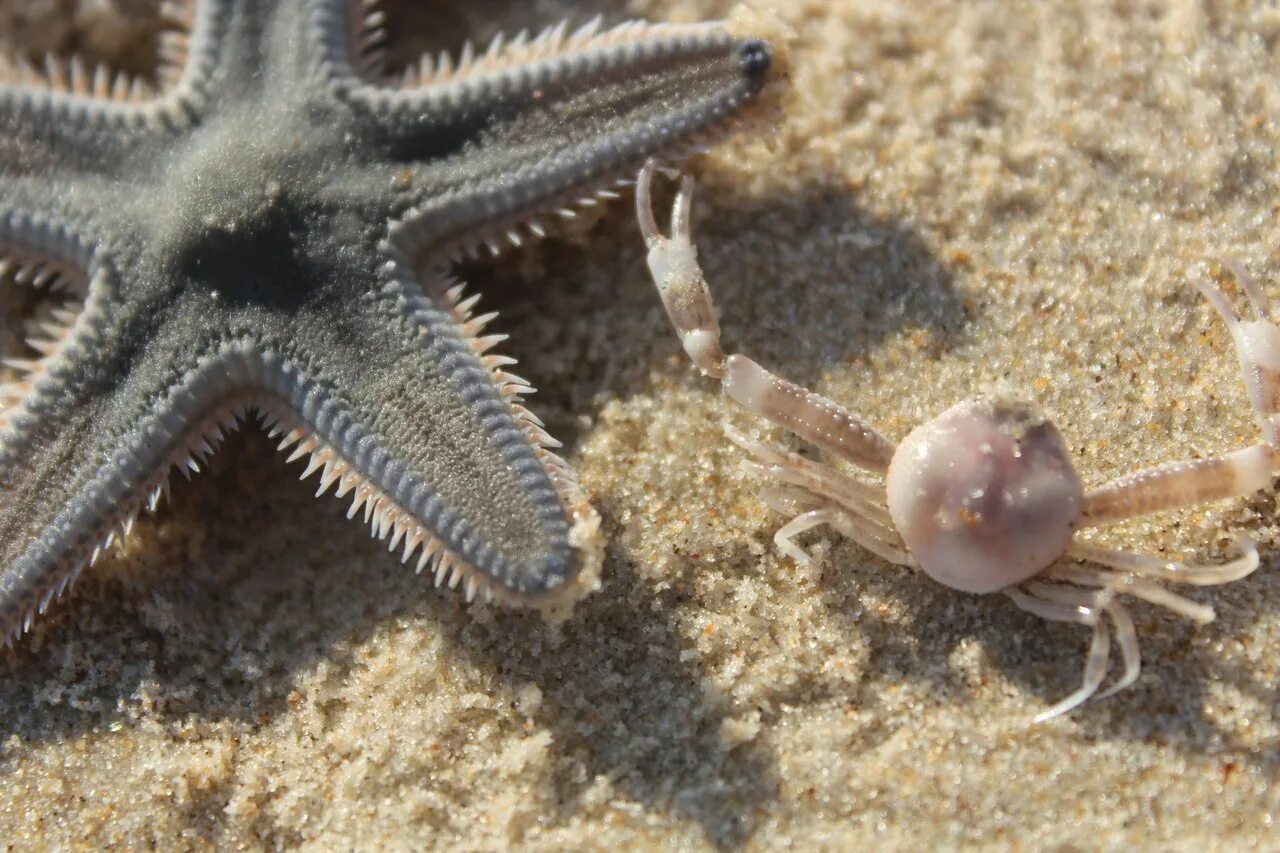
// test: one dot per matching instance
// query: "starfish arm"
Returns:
(529, 538)
(36, 241)
(101, 418)
(550, 154)
(549, 115)
(425, 431)
(68, 112)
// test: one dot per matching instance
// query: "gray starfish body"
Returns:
(272, 234)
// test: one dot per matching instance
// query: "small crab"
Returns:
(984, 497)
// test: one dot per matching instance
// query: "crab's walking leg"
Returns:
(1134, 577)
(1243, 472)
(1258, 346)
(673, 263)
(1086, 607)
(784, 537)
(1155, 568)
(822, 481)
(1099, 602)
(880, 541)
(854, 508)
(867, 534)
(1183, 483)
(1061, 604)
(1130, 654)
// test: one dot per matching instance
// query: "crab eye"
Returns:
(984, 495)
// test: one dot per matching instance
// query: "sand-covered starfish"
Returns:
(270, 233)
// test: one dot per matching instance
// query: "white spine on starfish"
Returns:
(367, 34)
(68, 89)
(352, 38)
(42, 254)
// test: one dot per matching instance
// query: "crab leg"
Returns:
(1136, 587)
(1143, 565)
(825, 496)
(1101, 601)
(784, 537)
(1195, 481)
(1182, 483)
(1043, 601)
(887, 546)
(775, 463)
(811, 416)
(1130, 654)
(1258, 346)
(673, 264)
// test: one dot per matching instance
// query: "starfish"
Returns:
(269, 233)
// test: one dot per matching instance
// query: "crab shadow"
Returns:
(1182, 672)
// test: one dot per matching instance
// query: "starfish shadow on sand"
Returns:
(221, 633)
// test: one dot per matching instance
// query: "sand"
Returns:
(954, 193)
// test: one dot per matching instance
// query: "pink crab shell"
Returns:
(984, 495)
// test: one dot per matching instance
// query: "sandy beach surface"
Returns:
(952, 194)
